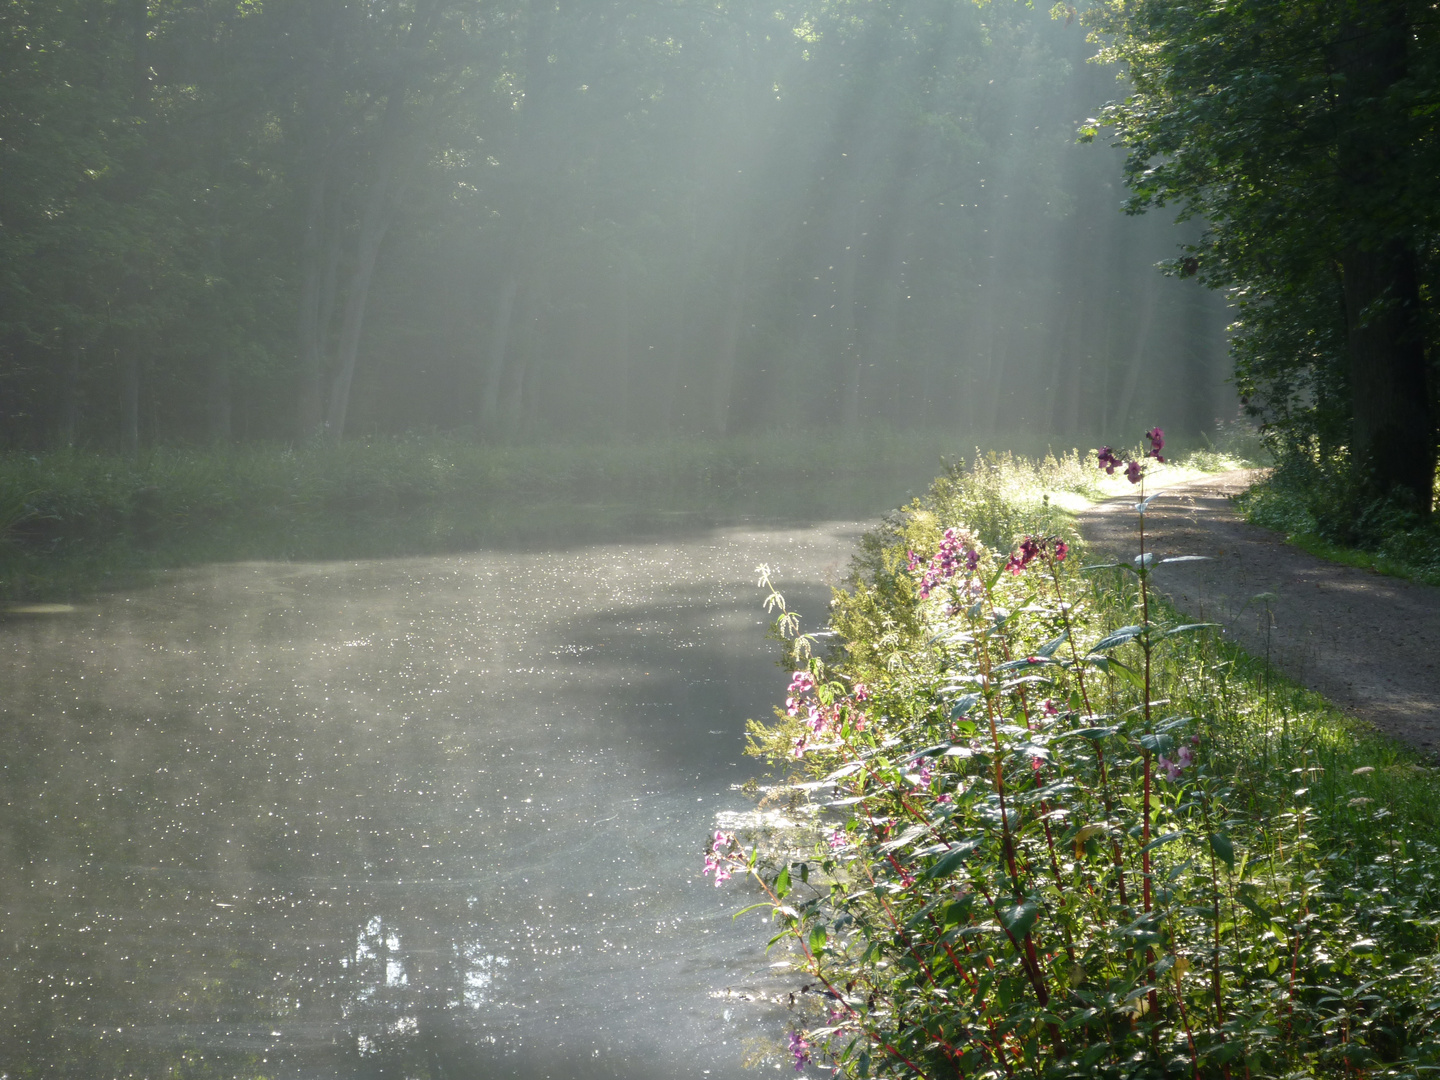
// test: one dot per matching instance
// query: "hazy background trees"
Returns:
(534, 219)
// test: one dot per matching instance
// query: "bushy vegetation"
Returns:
(1312, 498)
(1059, 832)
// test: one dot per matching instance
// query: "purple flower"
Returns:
(861, 692)
(718, 858)
(1108, 461)
(1133, 472)
(802, 682)
(1157, 443)
(800, 1049)
(946, 562)
(1169, 768)
(1061, 550)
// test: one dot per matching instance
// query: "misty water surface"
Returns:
(438, 814)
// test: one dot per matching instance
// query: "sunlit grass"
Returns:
(1310, 930)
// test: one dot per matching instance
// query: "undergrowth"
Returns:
(1062, 833)
(1310, 498)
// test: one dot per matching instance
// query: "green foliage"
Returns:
(1065, 834)
(1312, 499)
(1304, 134)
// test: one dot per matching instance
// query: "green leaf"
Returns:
(1165, 839)
(782, 883)
(1119, 637)
(1249, 897)
(1189, 628)
(963, 704)
(817, 939)
(1222, 847)
(948, 863)
(752, 907)
(1018, 918)
(1048, 649)
(1092, 732)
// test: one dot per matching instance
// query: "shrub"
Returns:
(1064, 834)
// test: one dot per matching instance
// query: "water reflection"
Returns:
(421, 817)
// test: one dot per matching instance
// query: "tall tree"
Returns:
(1306, 134)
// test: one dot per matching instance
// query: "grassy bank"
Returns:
(75, 522)
(1059, 832)
(1308, 499)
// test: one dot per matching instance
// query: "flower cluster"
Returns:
(1110, 461)
(801, 684)
(820, 718)
(1157, 443)
(1032, 546)
(723, 856)
(946, 563)
(1183, 760)
(800, 1050)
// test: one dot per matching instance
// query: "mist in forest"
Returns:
(583, 219)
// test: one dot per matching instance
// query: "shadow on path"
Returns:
(1369, 643)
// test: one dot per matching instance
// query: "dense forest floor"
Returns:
(1369, 643)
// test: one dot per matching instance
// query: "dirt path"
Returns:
(1371, 644)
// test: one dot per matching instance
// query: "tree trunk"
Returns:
(621, 419)
(733, 320)
(373, 225)
(1393, 422)
(1393, 418)
(129, 400)
(310, 329)
(69, 426)
(499, 349)
(218, 404)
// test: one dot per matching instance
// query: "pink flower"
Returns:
(1170, 768)
(719, 859)
(1157, 443)
(802, 682)
(946, 562)
(1048, 708)
(1133, 472)
(1061, 550)
(838, 839)
(1108, 461)
(861, 692)
(800, 1049)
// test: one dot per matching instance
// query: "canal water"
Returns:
(407, 817)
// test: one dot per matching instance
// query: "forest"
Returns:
(581, 219)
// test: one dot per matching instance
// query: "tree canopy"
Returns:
(1305, 134)
(280, 218)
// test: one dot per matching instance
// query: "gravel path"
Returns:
(1369, 643)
